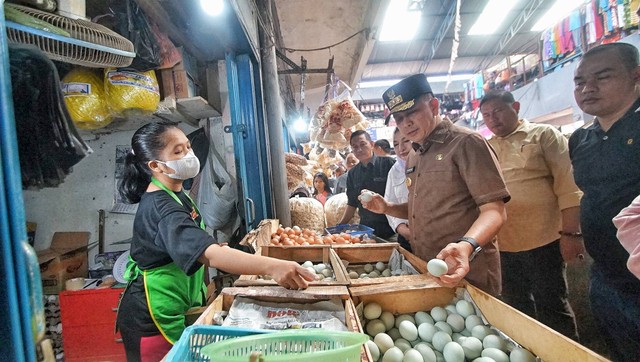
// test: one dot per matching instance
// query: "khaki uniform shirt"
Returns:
(537, 169)
(449, 177)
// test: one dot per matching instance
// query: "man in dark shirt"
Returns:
(371, 174)
(605, 158)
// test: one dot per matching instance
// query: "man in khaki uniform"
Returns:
(543, 229)
(456, 192)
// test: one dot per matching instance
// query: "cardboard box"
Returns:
(353, 257)
(541, 340)
(65, 259)
(314, 253)
(281, 295)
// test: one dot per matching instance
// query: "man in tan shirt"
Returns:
(456, 192)
(543, 226)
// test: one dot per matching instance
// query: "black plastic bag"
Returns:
(48, 142)
(132, 23)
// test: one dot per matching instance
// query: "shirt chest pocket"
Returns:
(529, 156)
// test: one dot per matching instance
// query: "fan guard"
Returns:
(90, 44)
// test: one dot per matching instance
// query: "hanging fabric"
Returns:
(48, 142)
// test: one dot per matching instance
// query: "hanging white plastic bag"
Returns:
(217, 196)
(335, 120)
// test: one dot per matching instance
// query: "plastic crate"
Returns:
(299, 345)
(189, 347)
(351, 229)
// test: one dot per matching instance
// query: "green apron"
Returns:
(170, 291)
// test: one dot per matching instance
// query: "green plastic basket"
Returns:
(299, 345)
(194, 338)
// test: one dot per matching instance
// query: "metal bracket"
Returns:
(240, 128)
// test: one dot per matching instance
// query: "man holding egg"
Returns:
(456, 191)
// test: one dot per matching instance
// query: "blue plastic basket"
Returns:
(189, 347)
(351, 229)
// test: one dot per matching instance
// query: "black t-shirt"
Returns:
(163, 232)
(372, 177)
(605, 167)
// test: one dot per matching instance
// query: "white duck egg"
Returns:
(484, 359)
(374, 274)
(367, 196)
(403, 344)
(372, 311)
(453, 352)
(368, 268)
(353, 275)
(521, 355)
(386, 273)
(451, 308)
(440, 339)
(327, 272)
(423, 317)
(411, 355)
(404, 317)
(456, 321)
(465, 308)
(480, 332)
(439, 314)
(374, 350)
(307, 264)
(393, 354)
(457, 337)
(472, 347)
(380, 266)
(496, 354)
(427, 353)
(426, 331)
(472, 321)
(388, 319)
(437, 267)
(394, 333)
(408, 330)
(374, 327)
(445, 327)
(383, 341)
(493, 341)
(320, 267)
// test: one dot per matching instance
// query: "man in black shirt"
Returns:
(371, 174)
(605, 158)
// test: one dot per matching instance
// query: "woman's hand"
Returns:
(372, 201)
(291, 275)
(456, 255)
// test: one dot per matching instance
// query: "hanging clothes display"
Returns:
(48, 142)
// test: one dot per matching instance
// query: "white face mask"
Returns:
(186, 167)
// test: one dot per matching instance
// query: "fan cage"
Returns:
(100, 48)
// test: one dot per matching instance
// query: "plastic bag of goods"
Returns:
(307, 212)
(86, 99)
(132, 93)
(334, 122)
(334, 209)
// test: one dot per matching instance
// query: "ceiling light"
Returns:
(558, 11)
(431, 79)
(212, 7)
(491, 17)
(300, 125)
(400, 23)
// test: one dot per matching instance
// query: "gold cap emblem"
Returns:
(439, 157)
(408, 182)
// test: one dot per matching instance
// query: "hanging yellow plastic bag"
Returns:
(85, 98)
(132, 93)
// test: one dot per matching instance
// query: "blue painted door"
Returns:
(16, 339)
(249, 138)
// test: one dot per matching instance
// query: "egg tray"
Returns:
(521, 330)
(355, 257)
(300, 255)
